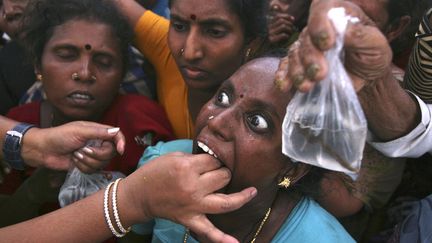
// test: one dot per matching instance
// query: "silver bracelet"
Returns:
(107, 215)
(115, 210)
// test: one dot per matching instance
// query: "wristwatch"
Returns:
(12, 146)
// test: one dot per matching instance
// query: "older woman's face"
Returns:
(207, 42)
(11, 14)
(89, 51)
(242, 126)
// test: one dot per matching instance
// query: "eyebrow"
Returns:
(208, 21)
(256, 103)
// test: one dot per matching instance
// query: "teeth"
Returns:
(81, 96)
(206, 149)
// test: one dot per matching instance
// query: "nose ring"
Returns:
(75, 77)
(93, 78)
(181, 52)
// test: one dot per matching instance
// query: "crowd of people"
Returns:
(187, 98)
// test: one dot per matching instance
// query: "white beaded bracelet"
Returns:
(107, 215)
(116, 213)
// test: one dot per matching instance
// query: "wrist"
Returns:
(131, 202)
(391, 112)
(30, 150)
(13, 144)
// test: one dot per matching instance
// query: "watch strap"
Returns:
(12, 145)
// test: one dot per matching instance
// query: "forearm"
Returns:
(82, 221)
(391, 112)
(131, 10)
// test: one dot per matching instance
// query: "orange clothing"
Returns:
(151, 33)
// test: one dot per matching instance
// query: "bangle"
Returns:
(115, 210)
(107, 215)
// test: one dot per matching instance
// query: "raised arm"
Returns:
(131, 9)
(391, 112)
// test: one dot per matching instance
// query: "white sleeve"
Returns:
(414, 144)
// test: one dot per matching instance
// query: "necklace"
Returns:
(186, 235)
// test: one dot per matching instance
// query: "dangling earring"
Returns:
(285, 182)
(181, 52)
(39, 77)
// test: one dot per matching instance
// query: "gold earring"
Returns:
(39, 77)
(286, 182)
(248, 52)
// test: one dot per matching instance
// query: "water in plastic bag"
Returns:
(79, 185)
(326, 127)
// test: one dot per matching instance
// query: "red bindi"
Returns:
(193, 16)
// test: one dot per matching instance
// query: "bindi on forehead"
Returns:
(193, 17)
(88, 47)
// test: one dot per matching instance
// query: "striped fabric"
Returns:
(418, 77)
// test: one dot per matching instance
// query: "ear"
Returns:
(396, 28)
(295, 172)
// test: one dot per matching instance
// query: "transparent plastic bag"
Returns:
(326, 127)
(79, 185)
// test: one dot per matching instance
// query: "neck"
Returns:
(243, 223)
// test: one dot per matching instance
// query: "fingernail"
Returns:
(253, 192)
(88, 150)
(322, 39)
(298, 80)
(113, 130)
(79, 155)
(312, 70)
(279, 83)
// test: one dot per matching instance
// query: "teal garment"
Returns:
(308, 222)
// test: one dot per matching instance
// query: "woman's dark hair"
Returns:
(42, 16)
(251, 14)
(310, 184)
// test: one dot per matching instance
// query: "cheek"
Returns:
(175, 43)
(203, 116)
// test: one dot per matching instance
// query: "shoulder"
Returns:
(29, 113)
(309, 222)
(161, 148)
(133, 105)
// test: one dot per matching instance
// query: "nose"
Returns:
(223, 124)
(85, 73)
(192, 50)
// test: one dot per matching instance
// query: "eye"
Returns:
(258, 122)
(66, 54)
(216, 33)
(179, 27)
(223, 99)
(104, 61)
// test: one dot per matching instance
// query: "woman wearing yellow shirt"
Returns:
(202, 45)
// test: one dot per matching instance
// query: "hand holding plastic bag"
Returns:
(326, 127)
(79, 185)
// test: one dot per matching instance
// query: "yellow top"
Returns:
(151, 33)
